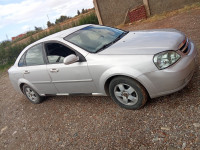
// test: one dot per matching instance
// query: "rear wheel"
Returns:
(127, 93)
(32, 95)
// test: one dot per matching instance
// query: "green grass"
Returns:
(4, 68)
(90, 19)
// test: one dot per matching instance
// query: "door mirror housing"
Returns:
(70, 59)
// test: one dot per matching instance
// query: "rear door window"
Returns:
(34, 56)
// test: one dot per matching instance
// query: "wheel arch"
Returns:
(22, 82)
(107, 83)
(21, 87)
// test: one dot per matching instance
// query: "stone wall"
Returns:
(160, 6)
(115, 12)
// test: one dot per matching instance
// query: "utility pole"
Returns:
(48, 18)
(7, 37)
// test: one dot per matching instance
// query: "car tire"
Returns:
(32, 95)
(127, 93)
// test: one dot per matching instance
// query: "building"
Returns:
(19, 36)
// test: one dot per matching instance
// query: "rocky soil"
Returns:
(80, 122)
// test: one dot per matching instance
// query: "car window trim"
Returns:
(81, 57)
(45, 51)
(23, 55)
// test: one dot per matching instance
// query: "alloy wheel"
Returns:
(126, 94)
(31, 94)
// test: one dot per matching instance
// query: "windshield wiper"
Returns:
(104, 46)
(115, 40)
(120, 36)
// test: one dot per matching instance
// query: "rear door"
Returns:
(35, 70)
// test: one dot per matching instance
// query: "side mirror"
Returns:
(70, 59)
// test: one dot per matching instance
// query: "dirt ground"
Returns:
(81, 122)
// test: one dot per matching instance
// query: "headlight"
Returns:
(165, 59)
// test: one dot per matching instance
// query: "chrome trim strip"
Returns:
(182, 43)
(63, 94)
(98, 94)
(63, 81)
(69, 81)
(189, 48)
(80, 94)
(186, 46)
(40, 82)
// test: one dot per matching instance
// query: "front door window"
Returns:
(57, 52)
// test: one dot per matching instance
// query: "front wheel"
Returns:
(127, 93)
(32, 95)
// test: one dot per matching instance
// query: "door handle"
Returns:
(54, 70)
(26, 72)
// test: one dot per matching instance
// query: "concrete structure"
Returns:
(160, 6)
(115, 12)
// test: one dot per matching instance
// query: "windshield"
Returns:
(95, 38)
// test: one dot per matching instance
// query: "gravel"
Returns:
(81, 122)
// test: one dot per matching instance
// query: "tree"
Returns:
(61, 19)
(5, 43)
(78, 12)
(86, 11)
(83, 11)
(38, 28)
(49, 24)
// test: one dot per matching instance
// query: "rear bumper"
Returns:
(172, 79)
(14, 83)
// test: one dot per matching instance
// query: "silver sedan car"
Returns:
(100, 60)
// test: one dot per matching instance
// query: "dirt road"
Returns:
(169, 122)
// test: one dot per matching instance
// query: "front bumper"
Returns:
(172, 79)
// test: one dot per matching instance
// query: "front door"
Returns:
(72, 78)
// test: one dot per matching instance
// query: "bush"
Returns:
(89, 19)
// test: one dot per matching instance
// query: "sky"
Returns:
(20, 16)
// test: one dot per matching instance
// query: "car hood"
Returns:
(146, 42)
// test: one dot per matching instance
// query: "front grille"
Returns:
(185, 46)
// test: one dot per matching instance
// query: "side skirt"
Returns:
(75, 94)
